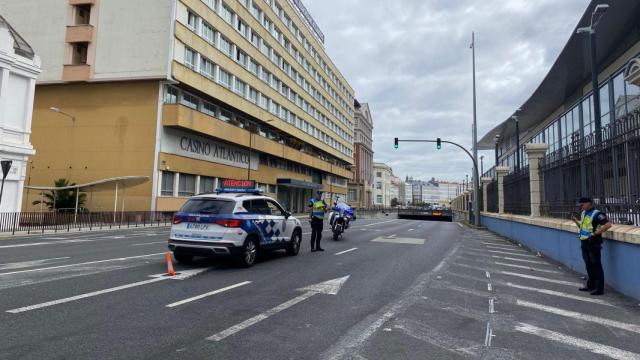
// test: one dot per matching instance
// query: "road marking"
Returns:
(45, 243)
(346, 251)
(410, 229)
(580, 316)
(378, 223)
(558, 293)
(331, 287)
(460, 225)
(410, 241)
(507, 248)
(181, 302)
(539, 278)
(509, 253)
(488, 335)
(83, 296)
(489, 287)
(487, 274)
(149, 243)
(526, 267)
(391, 236)
(29, 263)
(79, 264)
(491, 306)
(594, 347)
(521, 260)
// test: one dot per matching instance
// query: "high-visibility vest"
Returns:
(318, 208)
(586, 226)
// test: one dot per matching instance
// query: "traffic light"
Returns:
(438, 144)
(395, 143)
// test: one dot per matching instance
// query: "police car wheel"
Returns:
(294, 248)
(249, 253)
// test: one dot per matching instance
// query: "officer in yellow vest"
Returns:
(318, 209)
(592, 224)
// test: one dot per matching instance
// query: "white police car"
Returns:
(237, 223)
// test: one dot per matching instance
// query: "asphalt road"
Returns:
(391, 289)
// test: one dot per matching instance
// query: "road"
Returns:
(391, 289)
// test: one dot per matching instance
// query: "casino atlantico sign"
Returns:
(198, 147)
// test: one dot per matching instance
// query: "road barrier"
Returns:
(33, 222)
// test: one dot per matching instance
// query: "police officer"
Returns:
(592, 224)
(318, 208)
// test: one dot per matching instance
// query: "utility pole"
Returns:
(476, 179)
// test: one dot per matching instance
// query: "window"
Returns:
(206, 67)
(209, 108)
(224, 78)
(166, 188)
(192, 20)
(241, 57)
(208, 206)
(264, 102)
(79, 54)
(225, 46)
(189, 58)
(225, 115)
(190, 101)
(274, 209)
(378, 185)
(83, 15)
(378, 199)
(253, 95)
(208, 33)
(255, 39)
(379, 174)
(226, 14)
(242, 28)
(264, 75)
(352, 195)
(207, 184)
(257, 206)
(172, 95)
(240, 87)
(253, 66)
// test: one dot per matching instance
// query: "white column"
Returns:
(501, 171)
(535, 152)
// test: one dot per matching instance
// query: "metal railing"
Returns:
(33, 222)
(492, 196)
(517, 192)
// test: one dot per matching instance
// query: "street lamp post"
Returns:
(57, 110)
(476, 179)
(515, 118)
(482, 165)
(596, 16)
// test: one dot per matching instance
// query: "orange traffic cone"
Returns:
(170, 271)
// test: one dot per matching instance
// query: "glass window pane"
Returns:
(619, 98)
(167, 183)
(187, 185)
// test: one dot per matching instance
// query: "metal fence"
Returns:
(492, 196)
(33, 222)
(608, 172)
(517, 192)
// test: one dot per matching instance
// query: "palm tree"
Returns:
(62, 199)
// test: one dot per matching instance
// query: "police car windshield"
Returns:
(208, 206)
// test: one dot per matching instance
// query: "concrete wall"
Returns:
(619, 258)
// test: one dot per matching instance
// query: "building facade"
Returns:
(433, 191)
(19, 68)
(360, 188)
(187, 92)
(382, 180)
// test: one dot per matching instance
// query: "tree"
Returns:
(62, 199)
(394, 202)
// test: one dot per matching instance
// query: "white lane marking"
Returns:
(511, 253)
(149, 243)
(487, 274)
(45, 243)
(594, 347)
(28, 263)
(394, 240)
(559, 293)
(378, 223)
(488, 335)
(410, 229)
(539, 278)
(331, 287)
(491, 306)
(460, 225)
(526, 267)
(506, 248)
(521, 260)
(346, 251)
(489, 287)
(83, 296)
(392, 236)
(181, 302)
(80, 264)
(580, 316)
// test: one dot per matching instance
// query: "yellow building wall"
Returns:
(113, 135)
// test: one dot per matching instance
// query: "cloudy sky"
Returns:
(411, 61)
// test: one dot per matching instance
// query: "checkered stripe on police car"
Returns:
(268, 229)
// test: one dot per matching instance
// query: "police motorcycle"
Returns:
(340, 219)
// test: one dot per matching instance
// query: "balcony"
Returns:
(182, 117)
(79, 33)
(79, 72)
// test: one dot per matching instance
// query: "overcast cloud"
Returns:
(411, 61)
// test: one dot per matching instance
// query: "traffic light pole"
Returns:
(476, 206)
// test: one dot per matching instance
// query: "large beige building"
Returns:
(186, 92)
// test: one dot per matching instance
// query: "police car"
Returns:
(234, 222)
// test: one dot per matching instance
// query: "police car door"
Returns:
(284, 227)
(269, 225)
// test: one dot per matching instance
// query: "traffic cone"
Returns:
(170, 271)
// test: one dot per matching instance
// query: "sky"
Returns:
(411, 61)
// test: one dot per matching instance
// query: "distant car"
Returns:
(238, 225)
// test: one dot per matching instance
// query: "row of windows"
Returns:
(207, 68)
(617, 99)
(184, 185)
(246, 31)
(234, 52)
